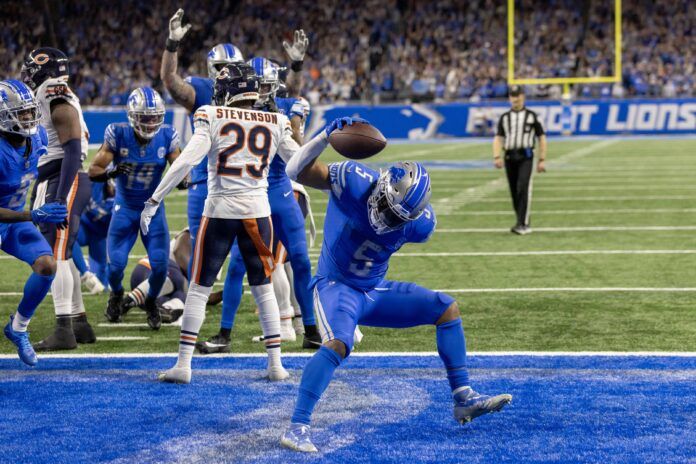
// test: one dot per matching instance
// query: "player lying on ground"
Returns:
(370, 215)
(239, 142)
(22, 141)
(139, 152)
(170, 300)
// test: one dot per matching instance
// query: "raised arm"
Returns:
(296, 52)
(305, 168)
(181, 91)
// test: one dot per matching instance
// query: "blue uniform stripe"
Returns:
(257, 63)
(149, 97)
(229, 49)
(21, 89)
(415, 195)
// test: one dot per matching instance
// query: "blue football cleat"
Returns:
(297, 438)
(21, 341)
(468, 404)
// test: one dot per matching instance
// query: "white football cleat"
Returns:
(297, 438)
(91, 283)
(175, 375)
(276, 373)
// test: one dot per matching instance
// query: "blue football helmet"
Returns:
(267, 73)
(220, 55)
(145, 110)
(236, 82)
(20, 113)
(401, 195)
(42, 64)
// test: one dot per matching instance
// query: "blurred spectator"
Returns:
(380, 50)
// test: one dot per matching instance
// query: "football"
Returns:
(358, 141)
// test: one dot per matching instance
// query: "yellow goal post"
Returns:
(565, 81)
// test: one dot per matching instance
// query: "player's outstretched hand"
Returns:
(296, 51)
(124, 169)
(340, 123)
(54, 213)
(177, 31)
(146, 216)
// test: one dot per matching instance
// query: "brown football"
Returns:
(358, 141)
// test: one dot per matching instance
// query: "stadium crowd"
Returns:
(383, 50)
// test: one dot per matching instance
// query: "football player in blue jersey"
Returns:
(370, 215)
(94, 228)
(288, 226)
(22, 141)
(139, 151)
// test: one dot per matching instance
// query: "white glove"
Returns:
(176, 30)
(297, 50)
(146, 216)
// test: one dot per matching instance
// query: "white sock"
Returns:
(269, 316)
(281, 289)
(191, 322)
(291, 282)
(62, 289)
(20, 323)
(77, 306)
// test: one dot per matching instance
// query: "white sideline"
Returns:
(572, 229)
(551, 212)
(377, 354)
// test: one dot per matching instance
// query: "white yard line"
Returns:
(597, 198)
(538, 253)
(118, 339)
(571, 289)
(565, 212)
(374, 354)
(476, 230)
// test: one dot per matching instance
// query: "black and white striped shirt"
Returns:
(519, 128)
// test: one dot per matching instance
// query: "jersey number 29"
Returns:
(258, 141)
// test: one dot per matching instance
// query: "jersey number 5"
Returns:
(258, 141)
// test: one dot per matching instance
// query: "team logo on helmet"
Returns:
(40, 59)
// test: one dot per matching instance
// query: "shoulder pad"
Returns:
(54, 89)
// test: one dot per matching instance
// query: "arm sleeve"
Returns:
(538, 127)
(72, 162)
(197, 148)
(304, 155)
(500, 132)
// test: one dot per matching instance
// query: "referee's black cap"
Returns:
(515, 90)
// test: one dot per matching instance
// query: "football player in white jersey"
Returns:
(239, 143)
(62, 180)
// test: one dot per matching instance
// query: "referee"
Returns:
(518, 129)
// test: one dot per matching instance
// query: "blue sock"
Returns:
(451, 346)
(35, 291)
(316, 377)
(79, 258)
(232, 293)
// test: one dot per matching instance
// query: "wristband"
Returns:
(296, 66)
(172, 45)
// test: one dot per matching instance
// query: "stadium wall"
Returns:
(431, 121)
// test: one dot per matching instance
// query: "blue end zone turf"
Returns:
(378, 409)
